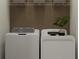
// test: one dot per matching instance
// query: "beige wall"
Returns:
(74, 22)
(4, 24)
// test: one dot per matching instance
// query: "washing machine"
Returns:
(21, 45)
(56, 44)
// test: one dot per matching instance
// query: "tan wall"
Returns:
(4, 25)
(74, 24)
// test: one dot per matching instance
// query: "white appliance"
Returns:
(56, 46)
(22, 46)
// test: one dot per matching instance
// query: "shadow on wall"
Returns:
(3, 50)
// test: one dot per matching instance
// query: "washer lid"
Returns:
(54, 32)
